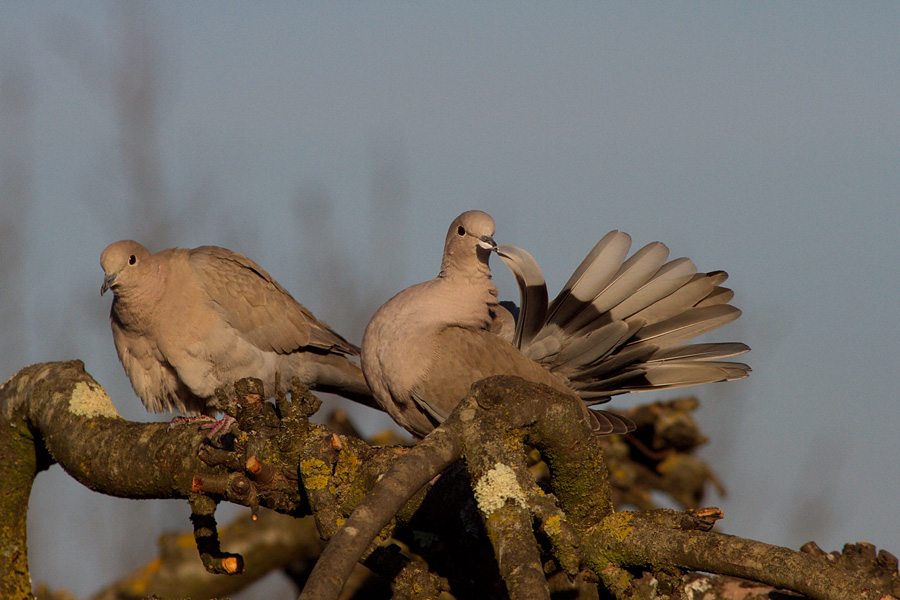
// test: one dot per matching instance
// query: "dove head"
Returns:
(121, 263)
(469, 243)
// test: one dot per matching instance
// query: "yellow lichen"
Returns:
(315, 473)
(91, 401)
(619, 525)
(553, 525)
(496, 487)
(347, 465)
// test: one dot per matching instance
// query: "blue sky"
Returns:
(758, 138)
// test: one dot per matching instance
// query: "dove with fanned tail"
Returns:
(617, 327)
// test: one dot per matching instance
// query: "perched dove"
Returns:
(186, 322)
(616, 327)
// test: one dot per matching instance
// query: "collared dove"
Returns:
(186, 322)
(616, 327)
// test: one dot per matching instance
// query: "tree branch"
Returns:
(56, 412)
(508, 411)
(503, 485)
(276, 458)
(665, 539)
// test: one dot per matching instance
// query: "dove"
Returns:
(188, 321)
(618, 326)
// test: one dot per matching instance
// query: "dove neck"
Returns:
(149, 293)
(466, 264)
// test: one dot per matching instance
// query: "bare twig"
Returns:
(660, 538)
(398, 485)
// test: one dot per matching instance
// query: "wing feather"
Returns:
(255, 304)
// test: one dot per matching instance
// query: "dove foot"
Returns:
(194, 419)
(217, 428)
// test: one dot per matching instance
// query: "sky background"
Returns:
(333, 143)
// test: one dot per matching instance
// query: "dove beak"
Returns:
(107, 283)
(487, 242)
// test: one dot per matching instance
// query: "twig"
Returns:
(407, 475)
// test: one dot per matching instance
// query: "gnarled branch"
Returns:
(276, 458)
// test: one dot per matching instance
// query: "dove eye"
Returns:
(132, 259)
(460, 231)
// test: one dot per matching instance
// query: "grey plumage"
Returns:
(620, 325)
(186, 322)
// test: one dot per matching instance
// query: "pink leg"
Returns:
(216, 427)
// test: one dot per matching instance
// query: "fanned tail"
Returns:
(620, 325)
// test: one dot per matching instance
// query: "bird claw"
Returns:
(219, 427)
(205, 419)
(216, 426)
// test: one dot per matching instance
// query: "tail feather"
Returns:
(719, 295)
(620, 325)
(662, 376)
(593, 345)
(606, 422)
(337, 374)
(677, 374)
(687, 296)
(546, 345)
(594, 398)
(708, 351)
(609, 386)
(627, 356)
(670, 277)
(688, 325)
(633, 274)
(592, 275)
